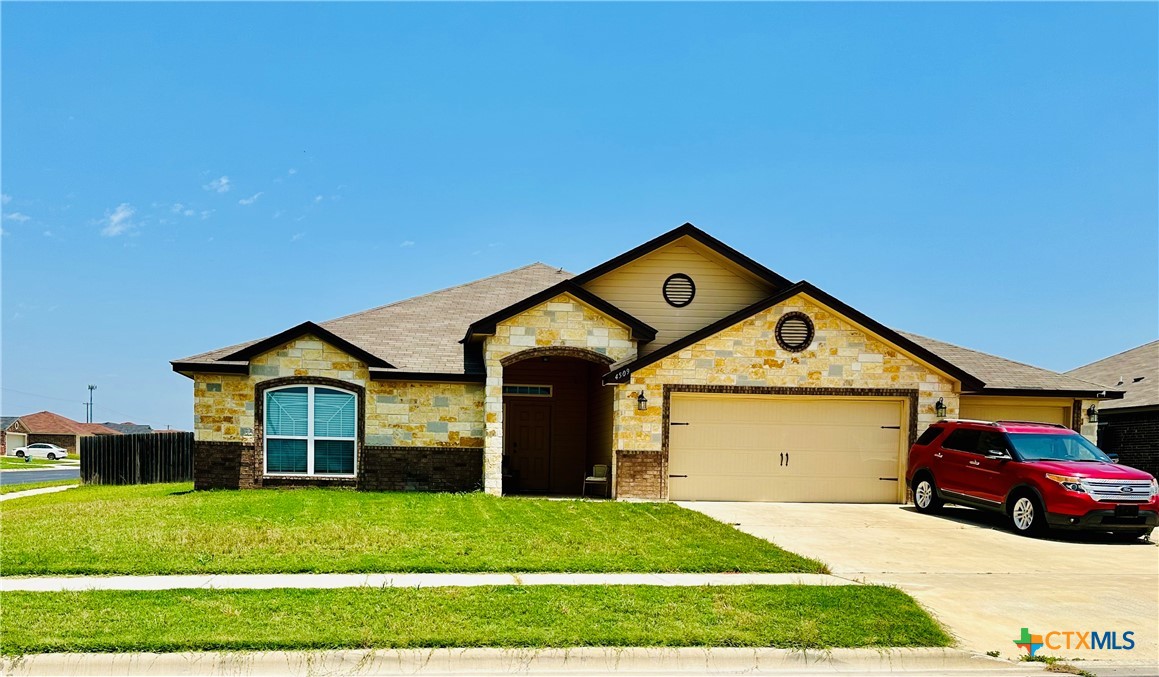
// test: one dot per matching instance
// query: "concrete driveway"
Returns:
(981, 581)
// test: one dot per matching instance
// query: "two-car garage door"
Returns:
(796, 448)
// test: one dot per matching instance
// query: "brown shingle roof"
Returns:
(1126, 367)
(998, 373)
(421, 334)
(48, 423)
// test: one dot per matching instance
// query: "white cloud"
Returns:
(188, 212)
(297, 236)
(407, 243)
(206, 213)
(219, 185)
(177, 208)
(318, 198)
(249, 200)
(278, 214)
(118, 221)
(17, 217)
(5, 198)
(292, 171)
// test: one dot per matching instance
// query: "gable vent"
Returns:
(679, 290)
(794, 332)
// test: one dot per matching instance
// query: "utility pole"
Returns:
(91, 389)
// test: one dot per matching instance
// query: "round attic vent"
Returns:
(794, 332)
(679, 290)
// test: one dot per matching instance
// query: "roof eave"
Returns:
(424, 376)
(1048, 392)
(188, 368)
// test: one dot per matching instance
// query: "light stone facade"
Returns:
(563, 321)
(841, 355)
(404, 414)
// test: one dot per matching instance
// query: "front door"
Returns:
(529, 444)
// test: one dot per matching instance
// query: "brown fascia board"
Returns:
(266, 344)
(673, 235)
(436, 377)
(621, 374)
(187, 368)
(486, 326)
(1098, 394)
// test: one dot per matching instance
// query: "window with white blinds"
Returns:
(310, 430)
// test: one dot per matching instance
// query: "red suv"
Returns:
(1040, 475)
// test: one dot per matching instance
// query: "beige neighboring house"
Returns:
(1129, 426)
(50, 428)
(690, 370)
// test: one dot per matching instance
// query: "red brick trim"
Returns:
(556, 351)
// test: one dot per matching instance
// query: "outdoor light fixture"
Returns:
(940, 408)
(1093, 414)
(641, 401)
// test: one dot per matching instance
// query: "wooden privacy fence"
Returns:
(145, 458)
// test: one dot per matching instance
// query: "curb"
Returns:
(588, 660)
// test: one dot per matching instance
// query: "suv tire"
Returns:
(926, 494)
(1027, 517)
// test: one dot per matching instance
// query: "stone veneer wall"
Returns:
(563, 321)
(422, 415)
(841, 356)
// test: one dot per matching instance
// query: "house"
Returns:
(6, 421)
(1129, 426)
(128, 428)
(690, 369)
(46, 426)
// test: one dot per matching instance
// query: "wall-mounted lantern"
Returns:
(940, 408)
(641, 402)
(1093, 414)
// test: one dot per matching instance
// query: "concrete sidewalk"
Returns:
(35, 492)
(398, 580)
(577, 661)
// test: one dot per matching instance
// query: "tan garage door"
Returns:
(799, 449)
(1052, 410)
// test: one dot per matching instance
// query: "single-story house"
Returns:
(51, 428)
(687, 368)
(1129, 426)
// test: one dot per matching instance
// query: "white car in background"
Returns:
(41, 450)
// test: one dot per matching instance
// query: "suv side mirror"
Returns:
(998, 454)
(1114, 458)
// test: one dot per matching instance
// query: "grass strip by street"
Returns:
(12, 488)
(509, 616)
(170, 529)
(14, 463)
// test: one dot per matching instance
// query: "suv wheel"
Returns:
(1027, 516)
(926, 494)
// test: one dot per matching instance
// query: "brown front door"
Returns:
(529, 443)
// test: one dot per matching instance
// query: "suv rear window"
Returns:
(929, 435)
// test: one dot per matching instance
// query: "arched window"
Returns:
(310, 430)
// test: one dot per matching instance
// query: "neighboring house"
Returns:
(1129, 426)
(52, 428)
(6, 421)
(691, 370)
(129, 428)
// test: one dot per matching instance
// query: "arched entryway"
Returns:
(557, 420)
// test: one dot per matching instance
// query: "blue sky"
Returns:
(182, 176)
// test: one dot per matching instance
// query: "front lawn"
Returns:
(510, 616)
(169, 529)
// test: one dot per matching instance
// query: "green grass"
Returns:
(14, 463)
(168, 529)
(510, 616)
(11, 488)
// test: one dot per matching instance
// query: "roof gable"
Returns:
(306, 328)
(1134, 371)
(48, 423)
(486, 325)
(622, 372)
(690, 231)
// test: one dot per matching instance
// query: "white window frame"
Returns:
(310, 438)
